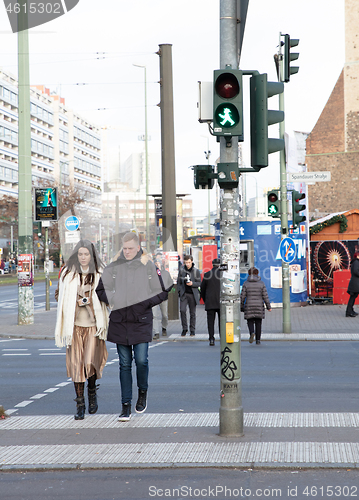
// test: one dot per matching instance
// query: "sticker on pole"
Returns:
(72, 223)
(287, 250)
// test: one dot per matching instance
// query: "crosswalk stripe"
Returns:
(161, 420)
(195, 453)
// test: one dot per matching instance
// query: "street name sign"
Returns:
(309, 177)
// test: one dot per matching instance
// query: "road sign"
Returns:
(287, 250)
(309, 177)
(72, 223)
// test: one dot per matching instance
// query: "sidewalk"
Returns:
(311, 322)
(272, 440)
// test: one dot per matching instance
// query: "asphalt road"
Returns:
(9, 297)
(139, 484)
(276, 376)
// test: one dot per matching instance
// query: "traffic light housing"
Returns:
(297, 207)
(261, 145)
(203, 176)
(228, 103)
(273, 203)
(39, 229)
(289, 57)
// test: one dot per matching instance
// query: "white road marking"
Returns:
(62, 384)
(22, 404)
(52, 354)
(38, 396)
(17, 354)
(52, 389)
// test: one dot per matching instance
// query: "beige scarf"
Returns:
(66, 310)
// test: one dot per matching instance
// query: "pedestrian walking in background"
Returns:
(353, 287)
(160, 312)
(132, 285)
(210, 293)
(254, 296)
(82, 322)
(189, 280)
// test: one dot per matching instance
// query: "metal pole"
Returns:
(25, 245)
(169, 222)
(287, 328)
(231, 410)
(47, 270)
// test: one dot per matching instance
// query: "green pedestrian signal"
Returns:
(297, 207)
(228, 103)
(273, 203)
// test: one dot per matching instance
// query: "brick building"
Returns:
(333, 144)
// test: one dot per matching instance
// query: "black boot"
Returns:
(80, 415)
(91, 392)
(80, 400)
(141, 404)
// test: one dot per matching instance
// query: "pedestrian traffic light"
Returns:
(297, 207)
(289, 57)
(261, 146)
(228, 103)
(273, 203)
(203, 176)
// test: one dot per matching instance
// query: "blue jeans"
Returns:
(140, 352)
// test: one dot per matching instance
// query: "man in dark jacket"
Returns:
(353, 287)
(189, 280)
(210, 293)
(131, 285)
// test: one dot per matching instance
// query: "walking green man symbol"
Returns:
(226, 117)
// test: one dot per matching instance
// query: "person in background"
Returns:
(82, 322)
(132, 286)
(254, 296)
(353, 287)
(160, 312)
(189, 280)
(210, 293)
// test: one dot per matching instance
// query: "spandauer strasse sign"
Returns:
(309, 177)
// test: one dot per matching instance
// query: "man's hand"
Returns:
(189, 283)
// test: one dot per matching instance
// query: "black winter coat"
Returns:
(211, 288)
(253, 297)
(132, 288)
(353, 286)
(195, 277)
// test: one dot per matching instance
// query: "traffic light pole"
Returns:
(287, 328)
(231, 410)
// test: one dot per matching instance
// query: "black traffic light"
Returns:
(289, 57)
(203, 176)
(39, 229)
(228, 103)
(261, 146)
(297, 207)
(273, 203)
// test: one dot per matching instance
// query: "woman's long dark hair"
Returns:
(73, 264)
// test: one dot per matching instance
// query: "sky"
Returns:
(88, 56)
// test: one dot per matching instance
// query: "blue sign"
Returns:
(287, 250)
(72, 223)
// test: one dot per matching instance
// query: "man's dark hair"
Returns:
(253, 271)
(188, 257)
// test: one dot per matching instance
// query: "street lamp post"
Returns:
(146, 157)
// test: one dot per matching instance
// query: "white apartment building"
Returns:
(62, 144)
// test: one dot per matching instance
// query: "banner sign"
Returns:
(25, 270)
(45, 202)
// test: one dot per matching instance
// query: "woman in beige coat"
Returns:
(82, 323)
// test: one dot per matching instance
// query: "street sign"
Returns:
(309, 177)
(287, 250)
(72, 223)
